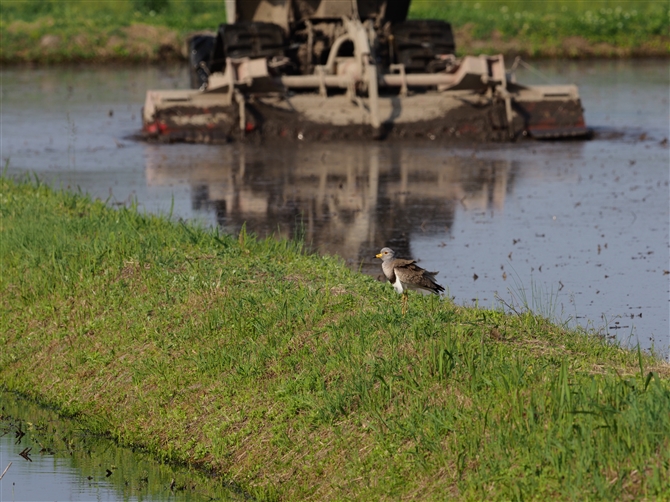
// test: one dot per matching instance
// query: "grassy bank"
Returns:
(155, 30)
(556, 28)
(298, 378)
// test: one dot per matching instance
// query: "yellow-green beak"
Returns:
(378, 255)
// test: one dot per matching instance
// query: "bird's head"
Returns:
(385, 254)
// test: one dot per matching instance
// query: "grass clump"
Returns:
(156, 30)
(295, 377)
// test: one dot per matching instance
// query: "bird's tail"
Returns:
(438, 289)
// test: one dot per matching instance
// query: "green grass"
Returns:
(132, 475)
(178, 14)
(295, 377)
(155, 30)
(104, 30)
(626, 25)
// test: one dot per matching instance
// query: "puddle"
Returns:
(578, 230)
(46, 458)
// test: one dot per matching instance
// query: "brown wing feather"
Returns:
(410, 273)
(397, 263)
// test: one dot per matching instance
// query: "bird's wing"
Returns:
(398, 263)
(411, 274)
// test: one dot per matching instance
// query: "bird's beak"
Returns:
(378, 255)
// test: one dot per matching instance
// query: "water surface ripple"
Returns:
(577, 230)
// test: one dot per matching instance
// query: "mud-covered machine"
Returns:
(333, 69)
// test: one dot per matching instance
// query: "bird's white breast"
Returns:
(397, 285)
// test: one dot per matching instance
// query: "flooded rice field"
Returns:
(576, 230)
(45, 458)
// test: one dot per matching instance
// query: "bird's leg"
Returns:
(404, 303)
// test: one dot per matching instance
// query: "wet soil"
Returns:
(267, 124)
(452, 117)
(574, 229)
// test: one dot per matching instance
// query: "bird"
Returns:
(406, 275)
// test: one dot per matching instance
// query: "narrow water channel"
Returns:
(45, 458)
(577, 230)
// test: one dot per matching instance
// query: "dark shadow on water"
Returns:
(54, 459)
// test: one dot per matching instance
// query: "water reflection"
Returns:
(346, 200)
(588, 221)
(53, 459)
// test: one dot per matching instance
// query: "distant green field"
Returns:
(75, 30)
(623, 23)
(178, 14)
(60, 30)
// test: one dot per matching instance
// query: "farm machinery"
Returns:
(350, 69)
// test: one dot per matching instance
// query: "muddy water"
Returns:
(49, 459)
(576, 230)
